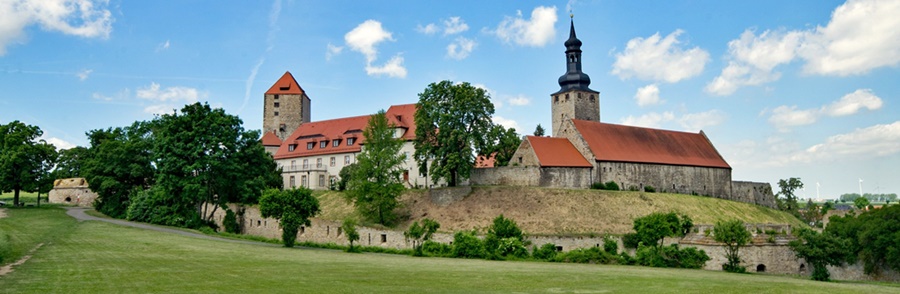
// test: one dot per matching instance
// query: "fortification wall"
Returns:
(532, 176)
(754, 193)
(714, 182)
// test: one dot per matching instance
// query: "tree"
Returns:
(861, 202)
(734, 235)
(820, 250)
(292, 208)
(873, 237)
(118, 165)
(539, 131)
(504, 145)
(421, 233)
(376, 184)
(23, 157)
(788, 187)
(349, 227)
(70, 163)
(651, 229)
(345, 174)
(453, 123)
(504, 238)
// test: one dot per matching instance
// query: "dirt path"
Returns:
(9, 267)
(2, 212)
(79, 214)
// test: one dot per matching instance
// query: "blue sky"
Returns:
(783, 89)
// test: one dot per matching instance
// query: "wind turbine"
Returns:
(860, 187)
(817, 191)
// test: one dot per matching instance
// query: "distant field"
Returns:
(23, 196)
(95, 257)
(562, 211)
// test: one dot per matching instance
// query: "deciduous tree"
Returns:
(819, 250)
(118, 165)
(23, 157)
(651, 229)
(349, 227)
(734, 235)
(421, 233)
(789, 203)
(453, 123)
(292, 208)
(375, 184)
(504, 144)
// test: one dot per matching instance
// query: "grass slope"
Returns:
(563, 211)
(24, 228)
(102, 258)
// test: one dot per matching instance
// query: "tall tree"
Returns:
(453, 123)
(375, 183)
(349, 227)
(292, 208)
(539, 131)
(788, 187)
(23, 157)
(504, 144)
(119, 164)
(70, 163)
(734, 235)
(652, 228)
(820, 250)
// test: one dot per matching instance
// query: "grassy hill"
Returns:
(546, 211)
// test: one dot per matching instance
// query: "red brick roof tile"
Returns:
(557, 152)
(618, 143)
(286, 85)
(270, 139)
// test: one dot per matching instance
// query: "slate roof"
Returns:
(286, 85)
(556, 152)
(618, 143)
(270, 139)
(342, 129)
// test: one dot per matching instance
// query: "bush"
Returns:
(610, 245)
(598, 186)
(467, 245)
(631, 240)
(588, 255)
(504, 238)
(649, 189)
(671, 256)
(611, 185)
(436, 249)
(230, 222)
(511, 247)
(545, 252)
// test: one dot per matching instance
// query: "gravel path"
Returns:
(79, 214)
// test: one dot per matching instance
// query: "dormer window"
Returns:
(323, 144)
(309, 146)
(292, 147)
(351, 141)
(335, 143)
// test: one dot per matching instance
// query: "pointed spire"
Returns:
(574, 78)
(573, 40)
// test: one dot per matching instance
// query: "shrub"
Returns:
(207, 230)
(671, 256)
(598, 186)
(230, 222)
(611, 185)
(588, 255)
(467, 245)
(545, 252)
(511, 247)
(610, 245)
(436, 249)
(649, 189)
(504, 238)
(633, 188)
(631, 240)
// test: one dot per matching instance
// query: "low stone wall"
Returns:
(532, 176)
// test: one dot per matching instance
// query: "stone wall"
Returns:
(292, 111)
(575, 104)
(714, 182)
(532, 176)
(72, 191)
(754, 193)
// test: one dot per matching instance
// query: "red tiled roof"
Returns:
(270, 139)
(620, 143)
(286, 85)
(557, 152)
(342, 129)
(486, 161)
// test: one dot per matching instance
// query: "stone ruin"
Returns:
(72, 191)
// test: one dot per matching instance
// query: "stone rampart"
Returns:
(753, 193)
(532, 176)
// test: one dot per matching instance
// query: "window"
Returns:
(567, 97)
(318, 162)
(309, 146)
(346, 159)
(293, 182)
(277, 104)
(321, 180)
(406, 175)
(276, 113)
(276, 96)
(336, 143)
(332, 180)
(306, 164)
(350, 141)
(332, 161)
(323, 144)
(556, 98)
(292, 147)
(293, 164)
(592, 98)
(383, 238)
(282, 128)
(303, 182)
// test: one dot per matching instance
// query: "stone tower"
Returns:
(574, 99)
(286, 107)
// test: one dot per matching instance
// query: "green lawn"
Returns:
(96, 257)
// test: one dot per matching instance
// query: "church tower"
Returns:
(286, 107)
(574, 99)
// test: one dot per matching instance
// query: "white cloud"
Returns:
(161, 109)
(659, 59)
(753, 60)
(454, 25)
(83, 18)
(649, 120)
(428, 29)
(692, 122)
(59, 143)
(520, 100)
(862, 35)
(491, 93)
(84, 74)
(535, 32)
(853, 102)
(648, 95)
(121, 95)
(784, 117)
(392, 68)
(506, 123)
(461, 48)
(332, 51)
(168, 99)
(163, 46)
(365, 36)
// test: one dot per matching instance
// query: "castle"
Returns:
(582, 150)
